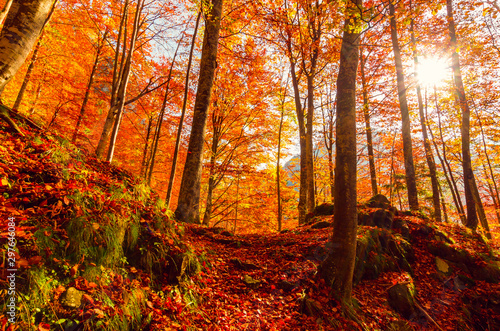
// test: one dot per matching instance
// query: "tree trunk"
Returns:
(427, 146)
(89, 86)
(311, 200)
(328, 140)
(446, 165)
(278, 166)
(122, 91)
(189, 196)
(5, 10)
(369, 140)
(27, 77)
(145, 158)
(470, 197)
(183, 114)
(337, 269)
(24, 23)
(411, 183)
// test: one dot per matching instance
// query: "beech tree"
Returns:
(338, 267)
(189, 197)
(411, 182)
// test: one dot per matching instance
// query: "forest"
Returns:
(152, 149)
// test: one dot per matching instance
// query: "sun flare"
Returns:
(432, 71)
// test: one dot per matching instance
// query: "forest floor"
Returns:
(285, 264)
(68, 206)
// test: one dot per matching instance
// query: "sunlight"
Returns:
(432, 71)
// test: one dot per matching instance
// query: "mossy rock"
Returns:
(378, 201)
(251, 283)
(379, 250)
(401, 297)
(72, 298)
(321, 225)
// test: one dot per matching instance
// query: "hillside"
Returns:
(94, 249)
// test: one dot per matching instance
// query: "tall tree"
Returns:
(471, 199)
(338, 267)
(411, 182)
(427, 145)
(189, 196)
(183, 114)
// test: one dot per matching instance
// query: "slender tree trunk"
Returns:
(446, 165)
(411, 183)
(338, 268)
(328, 140)
(156, 137)
(145, 159)
(302, 206)
(212, 182)
(183, 114)
(427, 146)
(27, 77)
(495, 195)
(189, 197)
(278, 167)
(369, 140)
(122, 91)
(471, 198)
(89, 86)
(117, 72)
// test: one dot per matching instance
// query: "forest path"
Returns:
(282, 264)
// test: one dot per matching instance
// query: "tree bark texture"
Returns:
(189, 196)
(337, 269)
(411, 182)
(25, 20)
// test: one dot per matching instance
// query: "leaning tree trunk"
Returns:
(25, 20)
(173, 168)
(411, 182)
(22, 27)
(188, 206)
(338, 268)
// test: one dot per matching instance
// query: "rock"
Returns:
(379, 201)
(400, 225)
(442, 266)
(251, 283)
(244, 265)
(321, 225)
(490, 272)
(324, 209)
(72, 298)
(482, 311)
(383, 218)
(401, 297)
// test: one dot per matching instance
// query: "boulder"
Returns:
(383, 218)
(250, 282)
(401, 297)
(379, 201)
(324, 209)
(72, 298)
(321, 225)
